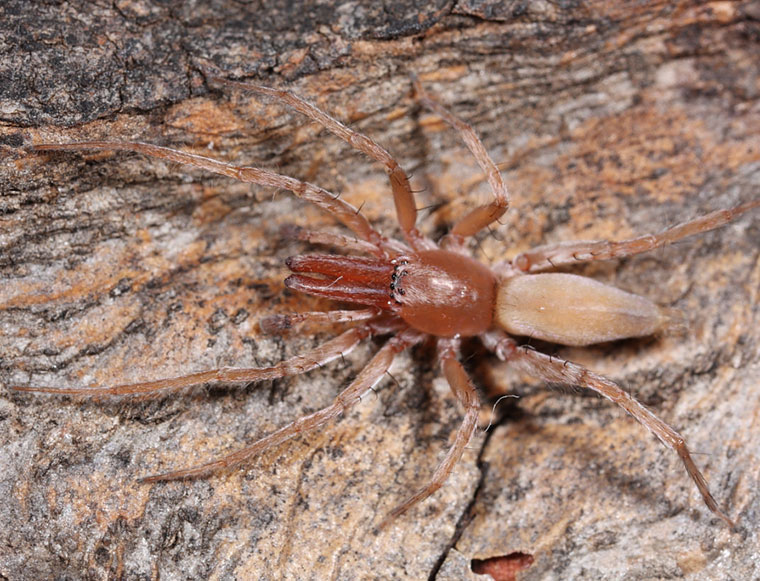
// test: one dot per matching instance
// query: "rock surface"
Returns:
(608, 122)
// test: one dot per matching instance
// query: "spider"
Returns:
(416, 288)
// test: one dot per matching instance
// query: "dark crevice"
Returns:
(467, 514)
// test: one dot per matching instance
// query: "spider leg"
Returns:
(347, 243)
(281, 323)
(403, 197)
(550, 256)
(556, 370)
(343, 211)
(341, 241)
(364, 381)
(479, 218)
(317, 357)
(464, 391)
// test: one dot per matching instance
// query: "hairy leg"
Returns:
(403, 197)
(481, 216)
(323, 354)
(464, 391)
(365, 380)
(551, 256)
(278, 324)
(347, 243)
(555, 370)
(343, 211)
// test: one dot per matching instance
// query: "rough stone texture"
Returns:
(610, 120)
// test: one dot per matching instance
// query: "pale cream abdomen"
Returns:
(573, 310)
